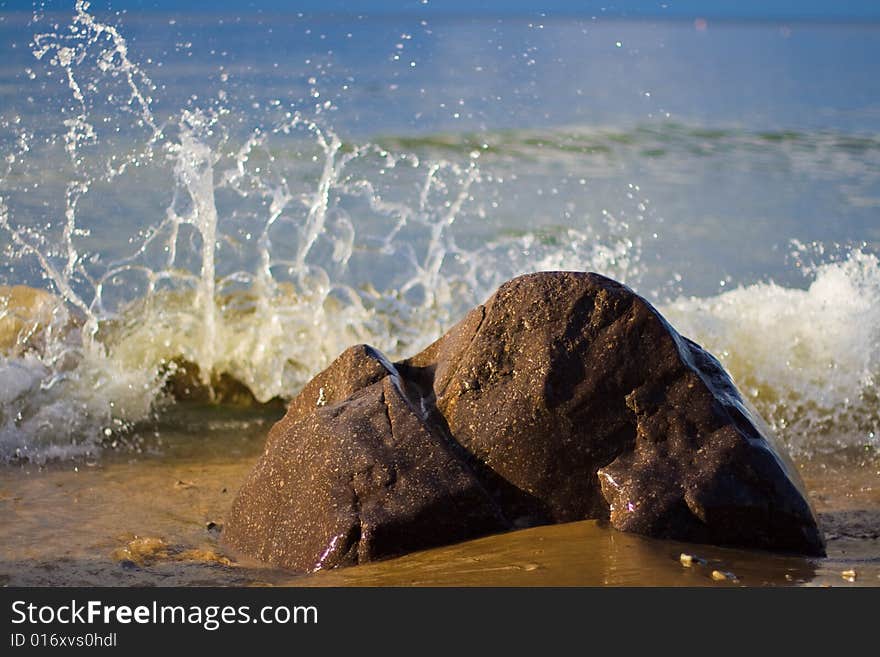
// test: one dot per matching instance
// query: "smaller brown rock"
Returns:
(26, 313)
(355, 480)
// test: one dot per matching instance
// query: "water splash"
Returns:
(809, 359)
(260, 253)
(255, 285)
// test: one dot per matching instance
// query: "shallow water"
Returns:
(144, 518)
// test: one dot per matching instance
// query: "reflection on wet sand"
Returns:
(574, 554)
(157, 520)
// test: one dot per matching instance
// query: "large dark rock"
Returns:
(565, 396)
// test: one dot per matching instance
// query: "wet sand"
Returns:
(155, 518)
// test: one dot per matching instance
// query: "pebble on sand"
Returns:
(690, 560)
(148, 550)
(720, 576)
(141, 550)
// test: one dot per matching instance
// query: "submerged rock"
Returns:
(184, 383)
(565, 396)
(26, 314)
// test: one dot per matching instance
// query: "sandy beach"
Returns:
(155, 519)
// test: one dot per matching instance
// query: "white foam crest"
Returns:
(68, 400)
(807, 358)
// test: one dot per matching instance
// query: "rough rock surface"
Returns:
(352, 474)
(565, 396)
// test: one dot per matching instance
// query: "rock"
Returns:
(141, 550)
(350, 476)
(580, 394)
(565, 396)
(723, 576)
(183, 383)
(26, 313)
(147, 550)
(690, 560)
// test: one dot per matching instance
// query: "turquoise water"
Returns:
(255, 193)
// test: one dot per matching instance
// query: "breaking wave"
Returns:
(175, 255)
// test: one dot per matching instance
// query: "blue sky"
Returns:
(686, 9)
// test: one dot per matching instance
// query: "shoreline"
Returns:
(153, 520)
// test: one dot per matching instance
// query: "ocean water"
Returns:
(252, 194)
